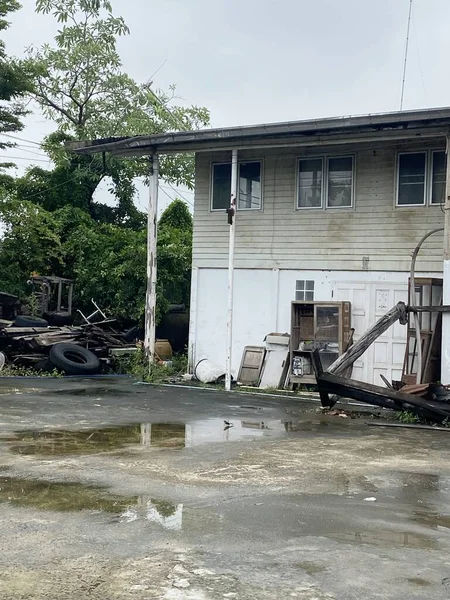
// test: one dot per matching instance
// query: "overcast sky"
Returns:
(260, 61)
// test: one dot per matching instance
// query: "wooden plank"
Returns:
(398, 312)
(325, 399)
(374, 394)
(251, 365)
(438, 309)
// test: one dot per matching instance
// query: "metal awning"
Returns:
(396, 125)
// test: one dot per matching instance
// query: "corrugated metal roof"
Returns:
(403, 124)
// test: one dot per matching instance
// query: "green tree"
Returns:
(174, 255)
(107, 261)
(13, 84)
(79, 84)
(30, 242)
(52, 221)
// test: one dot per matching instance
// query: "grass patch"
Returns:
(137, 365)
(18, 371)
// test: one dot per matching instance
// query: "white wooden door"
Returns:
(370, 301)
(356, 294)
(389, 348)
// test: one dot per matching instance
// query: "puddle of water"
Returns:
(72, 497)
(63, 442)
(158, 435)
(431, 519)
(166, 514)
(387, 539)
(60, 496)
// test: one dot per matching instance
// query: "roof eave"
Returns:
(335, 130)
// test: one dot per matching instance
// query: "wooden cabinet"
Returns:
(321, 325)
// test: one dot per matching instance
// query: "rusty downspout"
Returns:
(412, 301)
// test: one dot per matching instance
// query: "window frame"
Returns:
(297, 183)
(428, 187)
(325, 158)
(425, 182)
(305, 290)
(352, 187)
(243, 161)
(430, 192)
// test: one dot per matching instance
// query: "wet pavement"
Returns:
(113, 490)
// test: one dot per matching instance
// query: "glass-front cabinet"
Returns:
(317, 325)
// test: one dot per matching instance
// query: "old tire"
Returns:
(28, 321)
(73, 359)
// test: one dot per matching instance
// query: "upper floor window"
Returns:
(325, 181)
(421, 178)
(249, 186)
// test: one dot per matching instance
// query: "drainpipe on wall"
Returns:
(445, 350)
(232, 223)
(150, 300)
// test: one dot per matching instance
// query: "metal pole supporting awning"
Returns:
(232, 223)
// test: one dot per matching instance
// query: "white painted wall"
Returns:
(254, 314)
(263, 304)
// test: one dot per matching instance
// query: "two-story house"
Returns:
(327, 209)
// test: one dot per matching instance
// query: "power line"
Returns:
(176, 118)
(149, 82)
(184, 191)
(25, 158)
(172, 199)
(15, 137)
(22, 149)
(180, 194)
(406, 54)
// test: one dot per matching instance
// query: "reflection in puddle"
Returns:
(61, 442)
(164, 513)
(431, 519)
(72, 497)
(158, 435)
(60, 496)
(387, 539)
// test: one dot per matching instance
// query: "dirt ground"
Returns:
(112, 490)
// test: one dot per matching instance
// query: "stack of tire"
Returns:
(70, 359)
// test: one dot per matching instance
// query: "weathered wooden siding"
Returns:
(279, 236)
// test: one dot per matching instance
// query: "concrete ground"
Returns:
(112, 490)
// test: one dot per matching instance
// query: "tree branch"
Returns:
(55, 106)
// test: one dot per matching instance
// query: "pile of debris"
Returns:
(47, 339)
(72, 350)
(428, 401)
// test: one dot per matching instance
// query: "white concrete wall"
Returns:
(263, 304)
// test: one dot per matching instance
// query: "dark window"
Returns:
(438, 177)
(221, 189)
(249, 185)
(411, 179)
(340, 182)
(310, 176)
